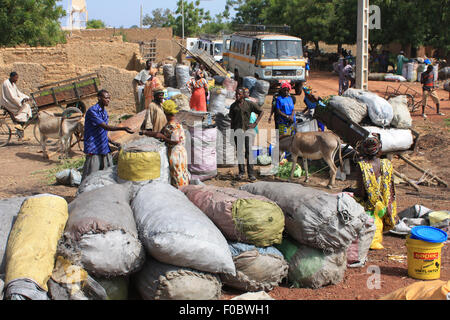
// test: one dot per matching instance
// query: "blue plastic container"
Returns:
(428, 234)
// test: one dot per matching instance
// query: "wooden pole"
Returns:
(409, 181)
(422, 170)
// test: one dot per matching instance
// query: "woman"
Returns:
(151, 85)
(375, 187)
(199, 89)
(285, 111)
(173, 135)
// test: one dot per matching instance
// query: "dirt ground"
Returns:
(24, 172)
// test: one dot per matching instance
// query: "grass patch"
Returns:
(447, 122)
(50, 174)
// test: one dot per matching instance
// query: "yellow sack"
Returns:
(422, 290)
(31, 248)
(139, 166)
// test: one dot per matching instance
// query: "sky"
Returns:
(126, 13)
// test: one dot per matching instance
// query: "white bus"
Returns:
(268, 56)
(212, 47)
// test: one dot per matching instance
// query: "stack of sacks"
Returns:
(325, 223)
(257, 268)
(142, 161)
(240, 215)
(176, 233)
(379, 110)
(101, 235)
(31, 247)
(402, 117)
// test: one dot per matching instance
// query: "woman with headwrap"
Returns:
(174, 137)
(198, 87)
(375, 187)
(285, 111)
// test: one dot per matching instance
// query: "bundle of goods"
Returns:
(161, 281)
(240, 215)
(170, 80)
(379, 110)
(447, 86)
(217, 100)
(226, 155)
(377, 76)
(260, 91)
(350, 108)
(183, 75)
(393, 139)
(203, 161)
(218, 80)
(174, 231)
(285, 168)
(311, 267)
(101, 234)
(143, 160)
(256, 268)
(444, 73)
(249, 83)
(314, 217)
(181, 101)
(402, 117)
(394, 78)
(30, 256)
(172, 92)
(358, 250)
(410, 71)
(68, 177)
(231, 86)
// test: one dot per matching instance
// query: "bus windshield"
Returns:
(281, 49)
(218, 49)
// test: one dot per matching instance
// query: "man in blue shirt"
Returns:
(96, 143)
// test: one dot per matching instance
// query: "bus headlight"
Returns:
(268, 73)
(299, 72)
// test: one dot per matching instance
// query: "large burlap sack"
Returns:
(142, 161)
(350, 108)
(444, 73)
(357, 252)
(447, 86)
(203, 160)
(160, 281)
(314, 217)
(312, 268)
(31, 248)
(101, 234)
(170, 79)
(231, 86)
(379, 110)
(249, 83)
(174, 231)
(402, 118)
(240, 215)
(217, 100)
(256, 268)
(393, 139)
(183, 76)
(260, 91)
(98, 179)
(9, 208)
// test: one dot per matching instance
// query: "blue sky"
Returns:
(118, 13)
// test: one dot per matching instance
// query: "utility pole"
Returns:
(141, 17)
(362, 56)
(182, 18)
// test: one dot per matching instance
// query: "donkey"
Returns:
(313, 146)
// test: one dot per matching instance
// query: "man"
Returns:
(429, 89)
(15, 101)
(401, 59)
(240, 113)
(311, 103)
(375, 189)
(96, 147)
(343, 76)
(140, 80)
(155, 119)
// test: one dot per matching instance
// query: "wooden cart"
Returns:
(70, 92)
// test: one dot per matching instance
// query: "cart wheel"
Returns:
(69, 111)
(5, 134)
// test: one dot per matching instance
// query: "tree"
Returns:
(95, 24)
(30, 22)
(194, 18)
(158, 19)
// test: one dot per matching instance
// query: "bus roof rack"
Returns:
(255, 29)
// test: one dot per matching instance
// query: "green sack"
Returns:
(261, 222)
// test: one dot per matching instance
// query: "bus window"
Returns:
(206, 47)
(211, 52)
(227, 44)
(281, 49)
(242, 48)
(269, 49)
(248, 49)
(254, 48)
(199, 44)
(218, 49)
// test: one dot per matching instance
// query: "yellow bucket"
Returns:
(424, 259)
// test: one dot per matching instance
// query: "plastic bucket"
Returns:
(424, 259)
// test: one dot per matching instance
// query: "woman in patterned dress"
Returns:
(174, 137)
(199, 90)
